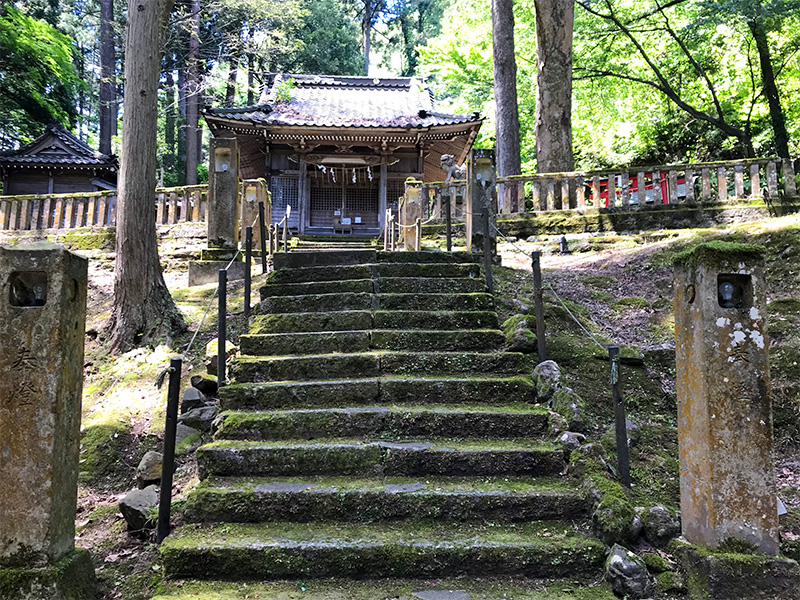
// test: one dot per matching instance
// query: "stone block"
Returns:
(724, 408)
(71, 578)
(42, 320)
(207, 271)
(223, 193)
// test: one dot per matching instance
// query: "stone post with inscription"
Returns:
(42, 319)
(223, 193)
(411, 213)
(727, 474)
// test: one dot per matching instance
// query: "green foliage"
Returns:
(283, 90)
(39, 82)
(329, 42)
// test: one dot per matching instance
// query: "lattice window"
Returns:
(326, 198)
(362, 200)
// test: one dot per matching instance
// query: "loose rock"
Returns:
(192, 398)
(660, 526)
(628, 574)
(570, 406)
(206, 384)
(571, 440)
(211, 355)
(135, 508)
(522, 340)
(149, 470)
(182, 432)
(199, 418)
(547, 376)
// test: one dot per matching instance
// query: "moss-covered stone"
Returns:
(430, 285)
(719, 575)
(435, 301)
(445, 341)
(309, 322)
(457, 422)
(719, 252)
(655, 562)
(785, 306)
(355, 286)
(88, 239)
(435, 319)
(507, 500)
(670, 582)
(414, 549)
(299, 394)
(630, 302)
(72, 578)
(252, 369)
(325, 342)
(317, 303)
(454, 362)
(570, 406)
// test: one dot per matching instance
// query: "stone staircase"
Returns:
(377, 429)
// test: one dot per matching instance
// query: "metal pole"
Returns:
(449, 220)
(248, 259)
(386, 230)
(393, 233)
(285, 234)
(418, 234)
(623, 462)
(222, 315)
(168, 462)
(487, 250)
(263, 230)
(541, 344)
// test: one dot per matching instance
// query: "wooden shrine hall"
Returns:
(339, 149)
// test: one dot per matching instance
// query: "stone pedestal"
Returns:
(481, 194)
(724, 409)
(223, 193)
(42, 319)
(412, 211)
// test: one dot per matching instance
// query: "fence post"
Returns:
(263, 226)
(418, 233)
(538, 304)
(168, 463)
(248, 258)
(623, 462)
(487, 248)
(222, 314)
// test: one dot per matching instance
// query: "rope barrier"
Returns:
(163, 374)
(547, 283)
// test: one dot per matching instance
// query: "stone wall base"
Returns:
(207, 271)
(731, 576)
(72, 578)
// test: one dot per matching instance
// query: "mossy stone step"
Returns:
(389, 285)
(460, 588)
(257, 369)
(370, 458)
(516, 421)
(508, 500)
(364, 319)
(324, 342)
(292, 551)
(428, 256)
(430, 285)
(293, 260)
(371, 271)
(364, 286)
(379, 390)
(343, 301)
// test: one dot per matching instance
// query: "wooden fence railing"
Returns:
(648, 186)
(99, 209)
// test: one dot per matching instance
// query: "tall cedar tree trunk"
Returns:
(554, 24)
(108, 89)
(770, 88)
(251, 67)
(192, 90)
(505, 95)
(233, 72)
(169, 113)
(366, 27)
(143, 309)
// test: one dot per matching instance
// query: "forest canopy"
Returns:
(679, 80)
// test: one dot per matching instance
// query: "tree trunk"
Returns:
(143, 310)
(251, 68)
(366, 27)
(192, 90)
(770, 88)
(505, 95)
(169, 114)
(554, 25)
(233, 72)
(108, 89)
